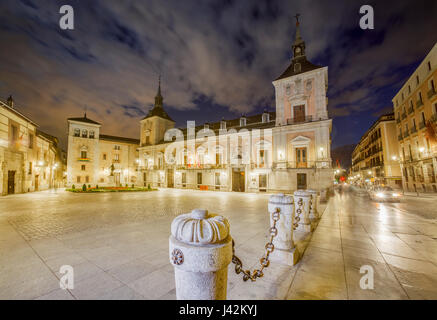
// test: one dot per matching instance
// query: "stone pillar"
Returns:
(303, 197)
(314, 214)
(200, 251)
(285, 251)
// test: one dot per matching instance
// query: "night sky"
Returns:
(217, 58)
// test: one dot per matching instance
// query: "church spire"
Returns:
(159, 99)
(299, 44)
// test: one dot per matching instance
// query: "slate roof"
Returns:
(118, 139)
(85, 120)
(305, 66)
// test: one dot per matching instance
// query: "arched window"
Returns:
(91, 134)
(84, 134)
(266, 117)
(77, 132)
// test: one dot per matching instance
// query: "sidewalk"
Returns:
(400, 247)
(277, 277)
(427, 195)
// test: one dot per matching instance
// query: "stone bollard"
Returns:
(304, 197)
(323, 196)
(314, 214)
(285, 250)
(200, 251)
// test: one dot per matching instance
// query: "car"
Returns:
(383, 194)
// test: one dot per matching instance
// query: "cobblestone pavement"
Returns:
(117, 244)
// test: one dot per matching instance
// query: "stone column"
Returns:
(304, 198)
(285, 250)
(200, 251)
(314, 214)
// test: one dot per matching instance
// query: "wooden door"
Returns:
(11, 182)
(301, 181)
(263, 182)
(299, 113)
(238, 181)
(301, 157)
(170, 178)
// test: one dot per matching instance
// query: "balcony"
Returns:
(307, 165)
(410, 110)
(419, 104)
(404, 116)
(398, 120)
(422, 125)
(406, 134)
(302, 120)
(84, 159)
(433, 118)
(431, 93)
(400, 137)
(413, 130)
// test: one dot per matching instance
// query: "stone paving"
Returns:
(118, 246)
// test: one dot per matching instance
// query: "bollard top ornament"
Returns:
(200, 228)
(280, 198)
(302, 193)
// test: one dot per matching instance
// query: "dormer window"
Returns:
(243, 122)
(222, 125)
(266, 117)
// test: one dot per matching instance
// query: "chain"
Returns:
(264, 261)
(298, 213)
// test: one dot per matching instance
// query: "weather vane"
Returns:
(297, 18)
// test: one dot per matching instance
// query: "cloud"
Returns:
(226, 52)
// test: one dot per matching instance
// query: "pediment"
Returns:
(300, 139)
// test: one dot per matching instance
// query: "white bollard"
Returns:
(303, 197)
(285, 250)
(200, 251)
(314, 214)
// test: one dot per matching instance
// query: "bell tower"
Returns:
(157, 121)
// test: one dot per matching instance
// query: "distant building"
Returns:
(274, 151)
(97, 159)
(415, 108)
(30, 160)
(375, 159)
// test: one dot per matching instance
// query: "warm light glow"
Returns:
(394, 158)
(369, 172)
(380, 195)
(421, 149)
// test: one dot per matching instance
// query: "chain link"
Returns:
(264, 261)
(298, 213)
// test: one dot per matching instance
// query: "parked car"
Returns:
(385, 194)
